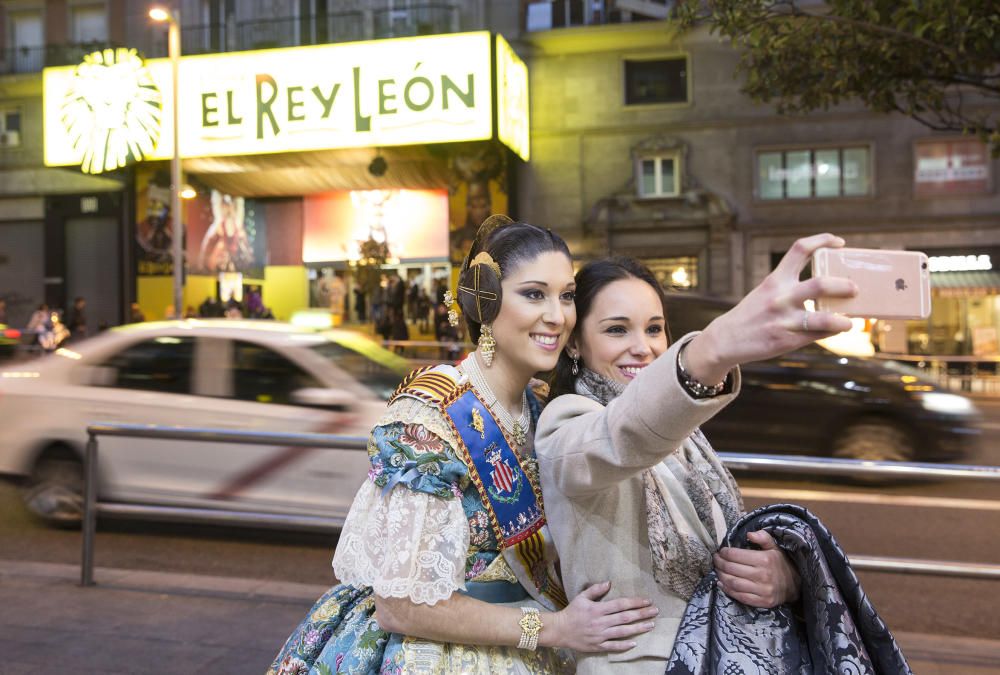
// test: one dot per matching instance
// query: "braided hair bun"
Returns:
(479, 293)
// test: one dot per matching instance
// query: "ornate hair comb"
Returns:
(485, 258)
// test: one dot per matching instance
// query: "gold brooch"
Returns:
(520, 435)
(477, 423)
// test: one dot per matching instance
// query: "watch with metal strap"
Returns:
(531, 626)
(693, 387)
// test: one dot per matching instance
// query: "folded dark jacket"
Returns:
(832, 629)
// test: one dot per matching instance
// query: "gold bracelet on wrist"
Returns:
(531, 626)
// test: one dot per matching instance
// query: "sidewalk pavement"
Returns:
(158, 623)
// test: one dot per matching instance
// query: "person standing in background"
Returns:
(77, 323)
(359, 303)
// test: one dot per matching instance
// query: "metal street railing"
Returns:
(91, 506)
(734, 461)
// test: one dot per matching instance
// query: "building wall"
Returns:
(582, 135)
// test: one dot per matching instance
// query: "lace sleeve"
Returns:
(406, 535)
(405, 545)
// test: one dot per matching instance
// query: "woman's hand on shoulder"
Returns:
(769, 321)
(764, 578)
(590, 624)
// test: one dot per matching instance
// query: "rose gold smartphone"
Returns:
(892, 284)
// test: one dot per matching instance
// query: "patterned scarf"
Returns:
(691, 501)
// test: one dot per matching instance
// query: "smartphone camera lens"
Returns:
(923, 266)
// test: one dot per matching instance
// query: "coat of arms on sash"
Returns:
(506, 480)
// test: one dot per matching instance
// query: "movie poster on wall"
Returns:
(478, 190)
(225, 233)
(153, 225)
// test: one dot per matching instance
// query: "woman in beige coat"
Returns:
(633, 491)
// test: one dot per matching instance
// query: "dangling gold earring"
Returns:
(576, 365)
(487, 345)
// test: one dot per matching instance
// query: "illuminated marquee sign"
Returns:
(109, 110)
(960, 263)
(404, 91)
(512, 100)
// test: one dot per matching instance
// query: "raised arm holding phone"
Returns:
(633, 490)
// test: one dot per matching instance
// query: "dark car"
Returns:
(815, 402)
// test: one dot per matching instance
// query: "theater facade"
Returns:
(298, 163)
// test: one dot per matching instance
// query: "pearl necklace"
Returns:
(516, 429)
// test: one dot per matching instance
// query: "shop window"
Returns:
(678, 273)
(89, 23)
(814, 173)
(659, 176)
(656, 81)
(162, 365)
(10, 128)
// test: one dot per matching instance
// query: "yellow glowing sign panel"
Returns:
(380, 93)
(512, 100)
(109, 111)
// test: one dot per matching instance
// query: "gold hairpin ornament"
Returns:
(449, 302)
(485, 258)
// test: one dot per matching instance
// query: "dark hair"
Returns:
(591, 280)
(510, 244)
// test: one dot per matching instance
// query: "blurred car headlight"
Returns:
(950, 404)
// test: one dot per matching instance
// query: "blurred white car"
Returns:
(256, 376)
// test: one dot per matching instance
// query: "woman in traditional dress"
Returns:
(445, 559)
(623, 439)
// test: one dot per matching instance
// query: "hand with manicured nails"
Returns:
(764, 578)
(768, 322)
(589, 624)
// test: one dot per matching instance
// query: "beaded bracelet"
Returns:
(692, 386)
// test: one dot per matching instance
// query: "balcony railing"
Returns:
(429, 19)
(542, 15)
(234, 36)
(33, 59)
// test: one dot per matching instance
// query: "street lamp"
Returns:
(172, 16)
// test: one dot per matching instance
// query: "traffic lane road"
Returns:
(923, 604)
(909, 602)
(169, 547)
(987, 450)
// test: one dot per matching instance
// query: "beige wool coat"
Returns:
(591, 460)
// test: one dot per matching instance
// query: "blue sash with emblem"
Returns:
(510, 494)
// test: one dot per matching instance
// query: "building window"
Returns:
(944, 168)
(27, 39)
(10, 128)
(88, 23)
(814, 173)
(659, 81)
(659, 176)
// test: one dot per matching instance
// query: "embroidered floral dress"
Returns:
(417, 529)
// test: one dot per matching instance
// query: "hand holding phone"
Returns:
(891, 284)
